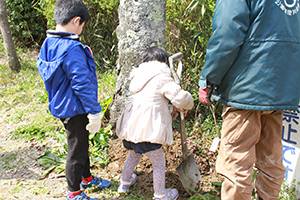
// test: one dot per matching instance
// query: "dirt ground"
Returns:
(206, 165)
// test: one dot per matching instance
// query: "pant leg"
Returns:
(130, 163)
(158, 161)
(269, 156)
(78, 163)
(240, 133)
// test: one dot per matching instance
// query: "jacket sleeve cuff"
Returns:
(202, 83)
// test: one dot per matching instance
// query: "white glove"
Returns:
(94, 124)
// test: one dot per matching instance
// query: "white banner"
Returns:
(291, 146)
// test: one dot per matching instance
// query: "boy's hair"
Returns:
(65, 10)
(155, 53)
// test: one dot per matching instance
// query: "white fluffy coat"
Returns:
(146, 116)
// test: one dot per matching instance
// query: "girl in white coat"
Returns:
(145, 123)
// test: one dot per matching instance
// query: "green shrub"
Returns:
(188, 31)
(47, 8)
(98, 32)
(27, 24)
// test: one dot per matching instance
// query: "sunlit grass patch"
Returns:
(7, 161)
(106, 84)
(34, 131)
(39, 189)
(16, 189)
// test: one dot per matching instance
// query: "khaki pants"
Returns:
(251, 138)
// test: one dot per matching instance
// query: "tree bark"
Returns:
(142, 24)
(11, 54)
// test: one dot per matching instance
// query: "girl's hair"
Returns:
(155, 53)
(65, 10)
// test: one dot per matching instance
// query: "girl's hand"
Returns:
(177, 110)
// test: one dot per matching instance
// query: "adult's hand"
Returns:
(203, 95)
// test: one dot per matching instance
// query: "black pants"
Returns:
(78, 162)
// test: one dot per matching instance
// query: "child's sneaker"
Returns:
(81, 196)
(100, 183)
(124, 186)
(171, 194)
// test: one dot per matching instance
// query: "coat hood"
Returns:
(141, 75)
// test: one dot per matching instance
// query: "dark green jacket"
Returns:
(253, 55)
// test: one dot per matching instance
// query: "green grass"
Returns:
(23, 100)
(7, 161)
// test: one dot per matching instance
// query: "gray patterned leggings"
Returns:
(158, 161)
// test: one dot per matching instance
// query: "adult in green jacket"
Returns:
(253, 67)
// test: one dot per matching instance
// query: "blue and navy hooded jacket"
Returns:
(253, 55)
(68, 69)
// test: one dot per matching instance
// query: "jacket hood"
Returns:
(52, 54)
(141, 75)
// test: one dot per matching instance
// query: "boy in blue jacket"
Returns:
(68, 69)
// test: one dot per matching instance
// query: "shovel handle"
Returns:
(176, 56)
(183, 136)
(182, 121)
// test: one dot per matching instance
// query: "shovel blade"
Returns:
(189, 174)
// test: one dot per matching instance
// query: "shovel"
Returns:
(187, 169)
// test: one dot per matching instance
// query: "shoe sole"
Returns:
(121, 192)
(100, 188)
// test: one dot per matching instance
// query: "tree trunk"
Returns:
(142, 24)
(11, 54)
